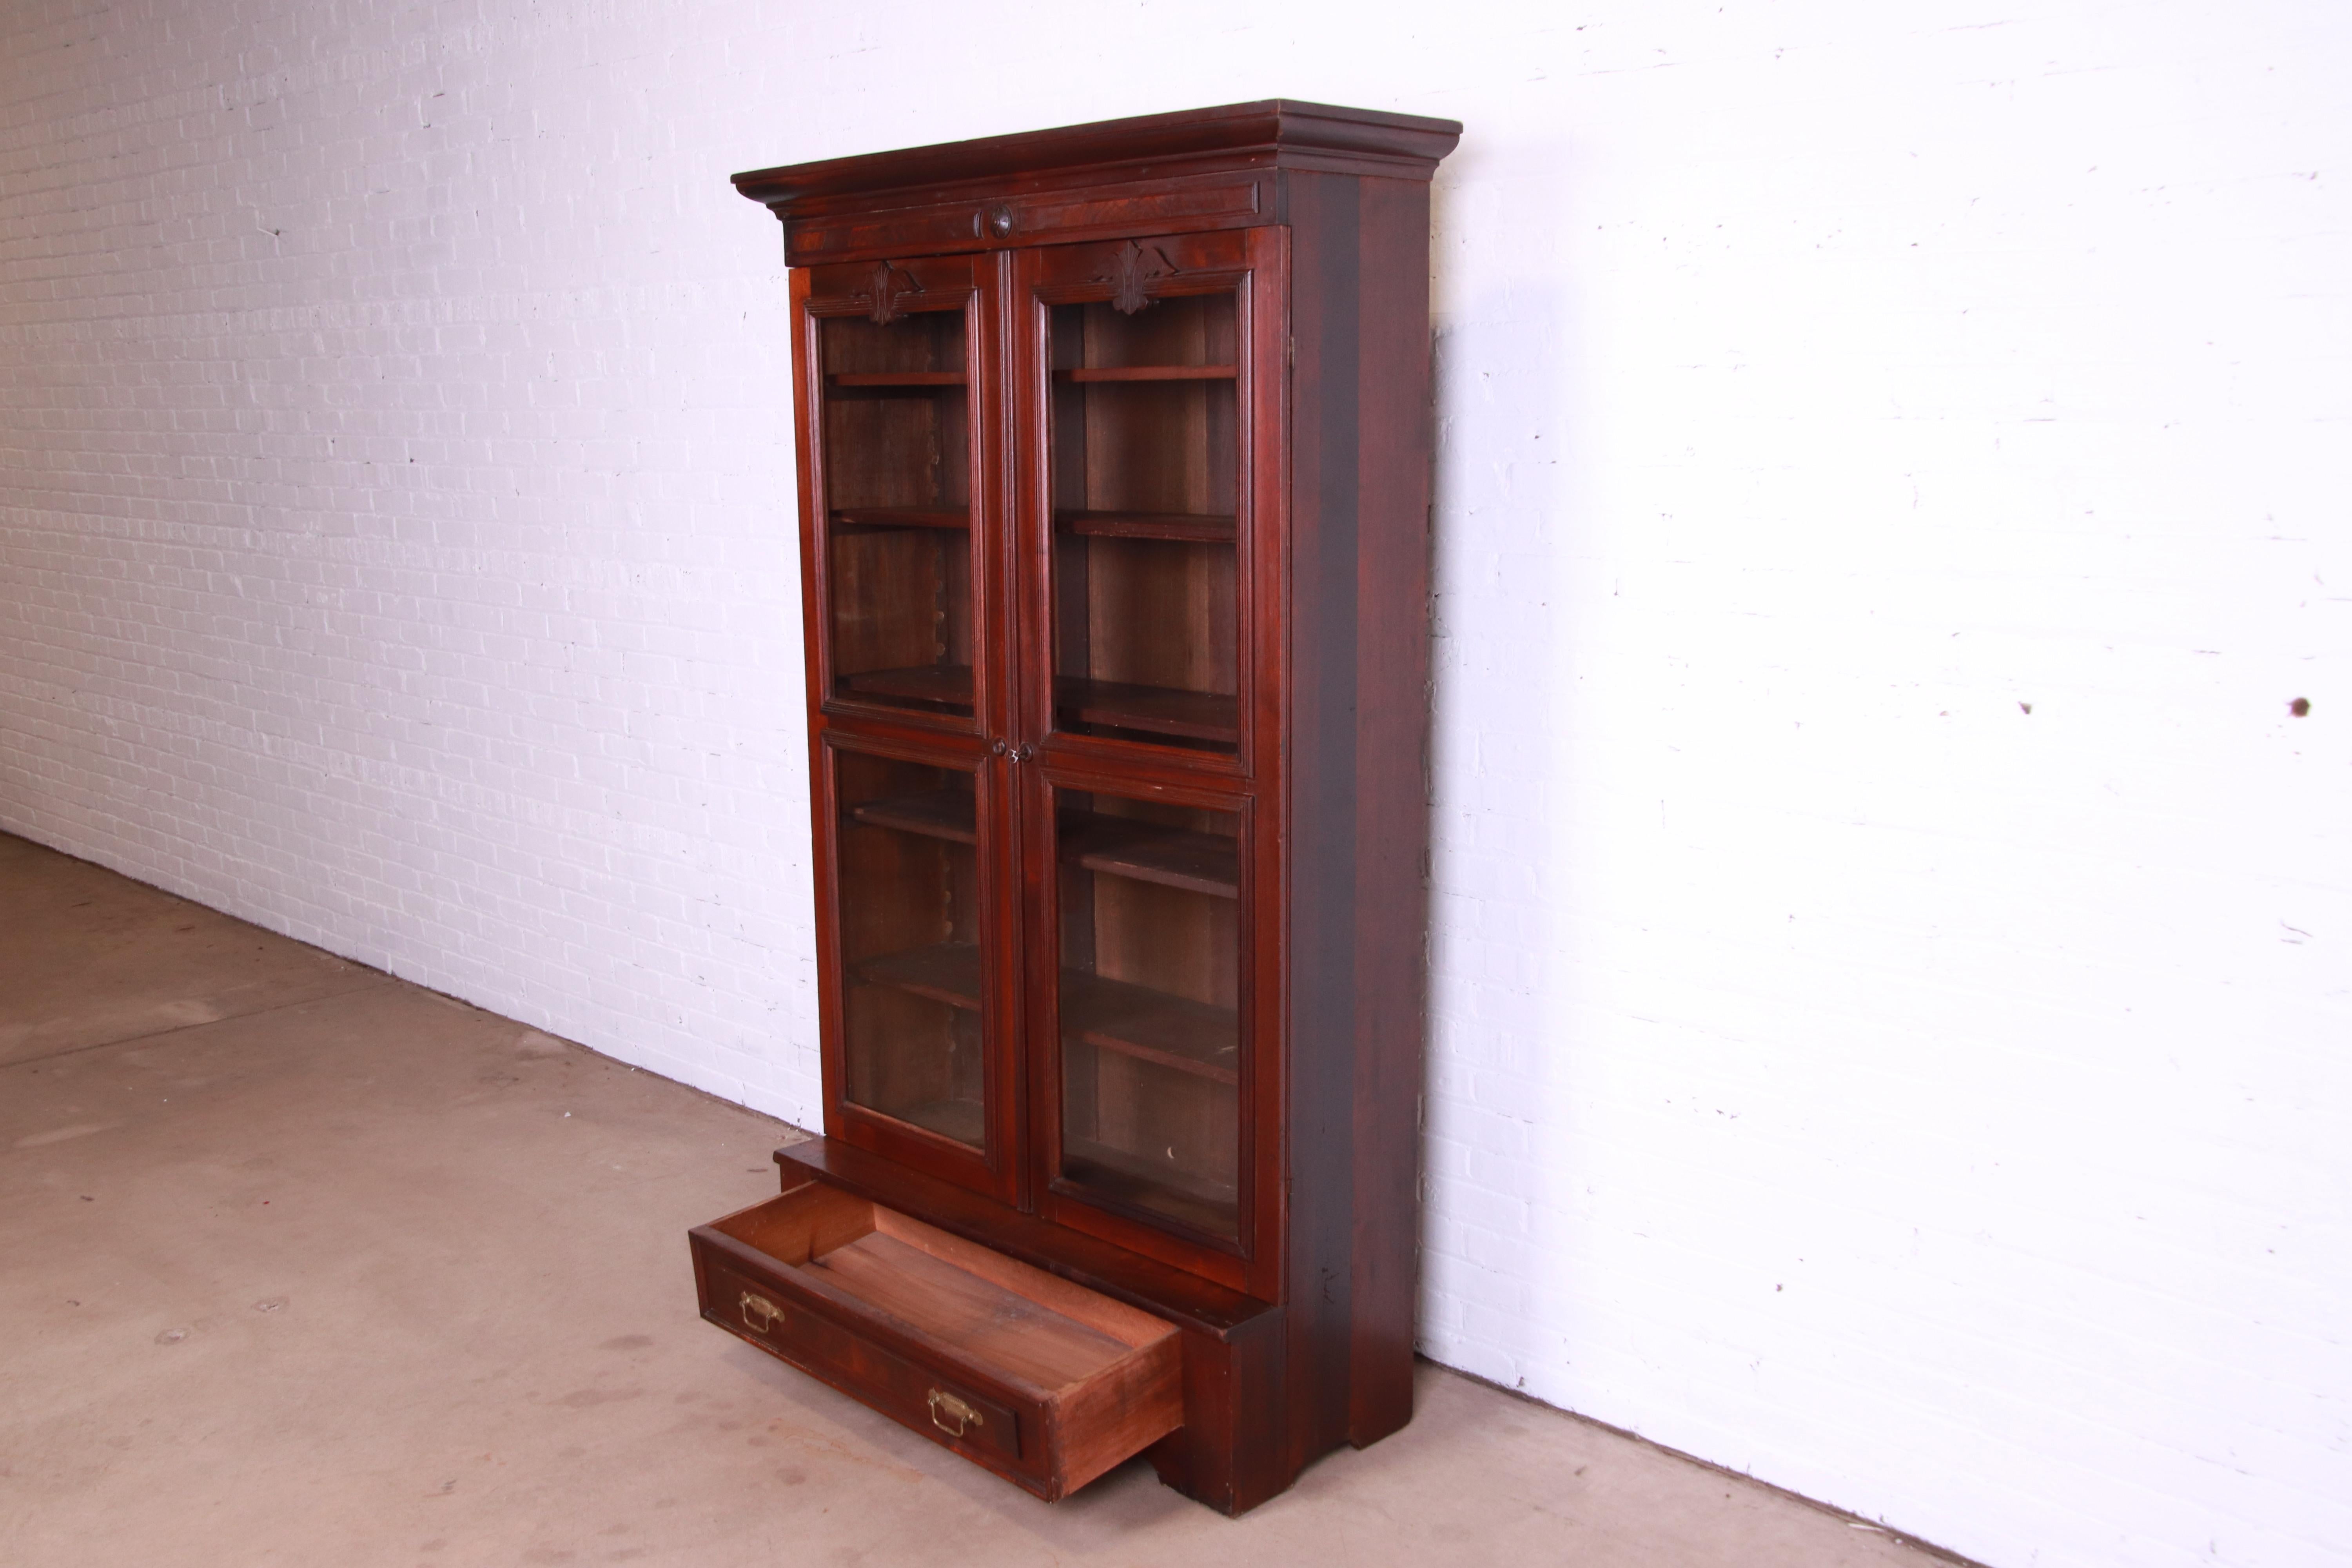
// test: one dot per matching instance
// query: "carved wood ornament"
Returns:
(882, 295)
(1139, 269)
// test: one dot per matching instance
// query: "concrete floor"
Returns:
(305, 1266)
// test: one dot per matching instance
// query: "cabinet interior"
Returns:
(1150, 1044)
(1020, 1321)
(910, 935)
(897, 468)
(1145, 437)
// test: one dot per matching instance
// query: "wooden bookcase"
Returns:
(1114, 481)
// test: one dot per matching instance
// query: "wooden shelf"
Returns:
(1152, 1026)
(1157, 709)
(946, 683)
(1199, 1200)
(900, 378)
(1150, 372)
(942, 814)
(1197, 862)
(965, 1121)
(1195, 528)
(1111, 1015)
(949, 973)
(901, 517)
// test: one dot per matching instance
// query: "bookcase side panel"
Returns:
(1390, 919)
(1356, 802)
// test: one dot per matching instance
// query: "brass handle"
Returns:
(945, 1404)
(760, 1307)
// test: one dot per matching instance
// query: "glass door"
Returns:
(893, 378)
(913, 956)
(1148, 906)
(1147, 365)
(1149, 375)
(899, 371)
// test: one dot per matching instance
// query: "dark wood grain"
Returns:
(1389, 921)
(1321, 1006)
(1359, 807)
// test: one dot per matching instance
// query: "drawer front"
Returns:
(1037, 218)
(828, 1342)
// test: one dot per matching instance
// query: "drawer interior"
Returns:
(1026, 1327)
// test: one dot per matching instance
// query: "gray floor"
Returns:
(308, 1265)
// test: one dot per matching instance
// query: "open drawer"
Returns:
(1044, 1382)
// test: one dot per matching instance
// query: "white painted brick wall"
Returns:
(1840, 1072)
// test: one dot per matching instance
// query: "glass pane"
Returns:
(1145, 432)
(910, 944)
(898, 480)
(1151, 985)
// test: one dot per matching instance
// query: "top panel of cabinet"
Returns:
(1208, 168)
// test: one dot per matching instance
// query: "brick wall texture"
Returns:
(1892, 956)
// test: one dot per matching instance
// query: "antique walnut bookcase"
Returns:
(1114, 482)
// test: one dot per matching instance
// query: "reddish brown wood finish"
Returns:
(1156, 175)
(1358, 800)
(1263, 778)
(1042, 1380)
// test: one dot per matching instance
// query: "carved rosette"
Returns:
(1135, 278)
(881, 295)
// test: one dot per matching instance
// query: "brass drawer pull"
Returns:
(759, 1313)
(944, 1406)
